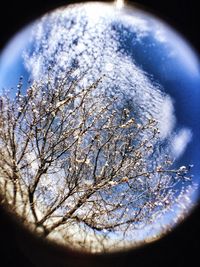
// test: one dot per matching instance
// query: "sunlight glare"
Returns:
(119, 4)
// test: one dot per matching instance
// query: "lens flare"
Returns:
(119, 4)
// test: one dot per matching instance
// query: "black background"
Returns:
(182, 246)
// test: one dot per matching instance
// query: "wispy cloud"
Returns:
(180, 142)
(73, 34)
(166, 117)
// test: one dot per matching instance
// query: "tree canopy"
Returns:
(73, 161)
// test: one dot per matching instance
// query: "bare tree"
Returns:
(72, 160)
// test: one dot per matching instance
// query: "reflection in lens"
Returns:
(99, 124)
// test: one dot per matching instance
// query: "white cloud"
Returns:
(166, 117)
(109, 67)
(180, 142)
(94, 44)
(160, 35)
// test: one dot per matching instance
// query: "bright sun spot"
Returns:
(119, 3)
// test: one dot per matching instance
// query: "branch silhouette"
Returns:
(72, 161)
